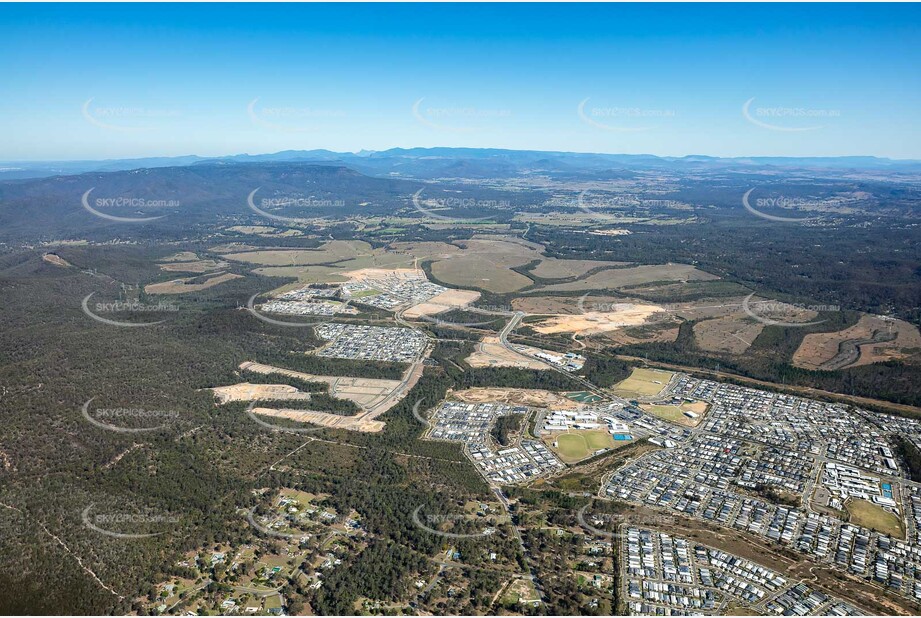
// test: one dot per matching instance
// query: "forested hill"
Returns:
(52, 208)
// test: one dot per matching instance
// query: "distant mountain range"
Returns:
(185, 196)
(172, 195)
(462, 162)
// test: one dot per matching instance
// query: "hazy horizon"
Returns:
(443, 147)
(97, 82)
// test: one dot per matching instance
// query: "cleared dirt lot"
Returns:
(372, 274)
(452, 299)
(709, 308)
(198, 266)
(374, 396)
(620, 316)
(665, 332)
(491, 353)
(366, 392)
(359, 422)
(519, 396)
(245, 391)
(337, 271)
(56, 260)
(181, 286)
(733, 334)
(831, 351)
(658, 326)
(553, 305)
(725, 327)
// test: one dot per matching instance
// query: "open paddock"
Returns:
(333, 251)
(480, 272)
(182, 256)
(198, 266)
(732, 334)
(182, 286)
(616, 278)
(554, 268)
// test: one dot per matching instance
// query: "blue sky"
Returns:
(115, 81)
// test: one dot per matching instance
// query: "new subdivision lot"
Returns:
(359, 342)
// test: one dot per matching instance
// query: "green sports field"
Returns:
(576, 445)
(643, 383)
